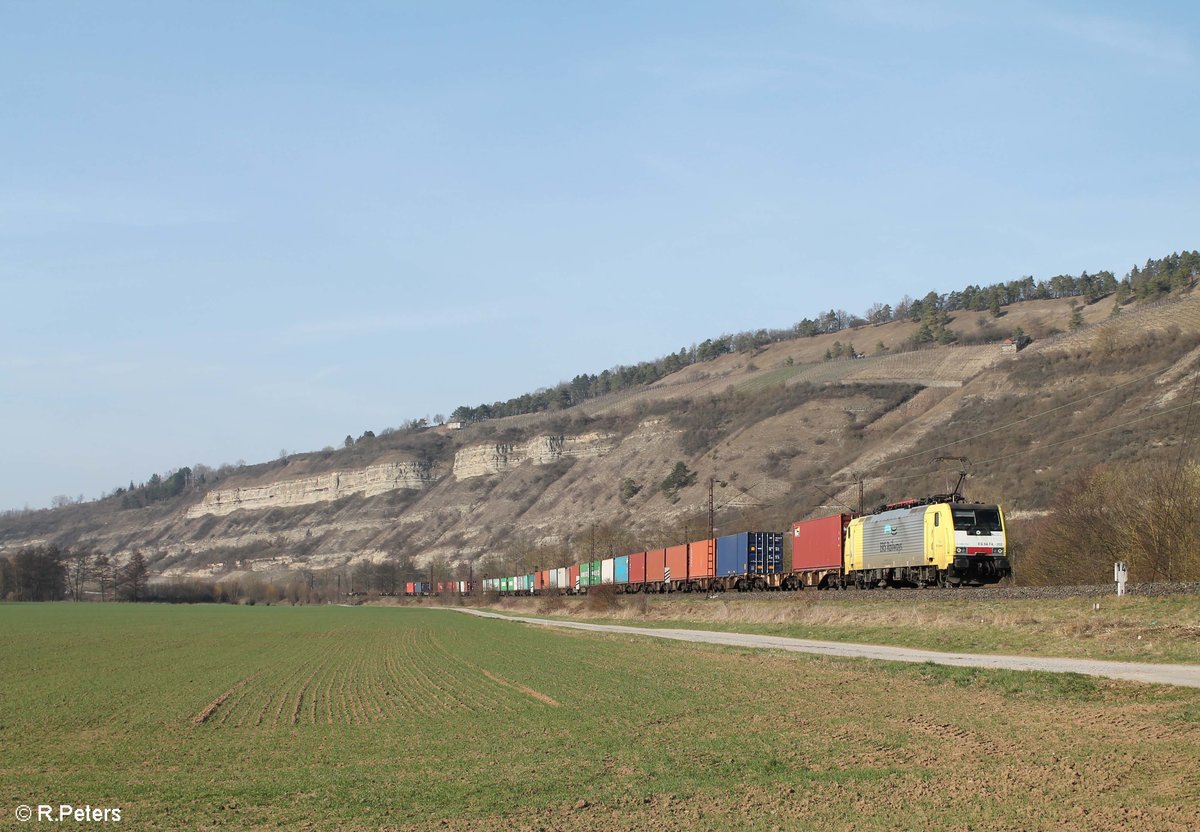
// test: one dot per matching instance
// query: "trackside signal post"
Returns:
(1120, 574)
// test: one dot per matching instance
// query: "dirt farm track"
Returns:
(1182, 675)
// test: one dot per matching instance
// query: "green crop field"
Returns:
(218, 717)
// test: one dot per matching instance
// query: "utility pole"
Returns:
(712, 507)
(712, 525)
(862, 508)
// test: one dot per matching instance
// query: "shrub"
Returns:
(601, 598)
(680, 477)
(1145, 514)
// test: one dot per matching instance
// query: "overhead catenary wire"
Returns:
(1029, 418)
(742, 492)
(1187, 431)
(1145, 418)
(1039, 447)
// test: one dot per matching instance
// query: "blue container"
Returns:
(731, 555)
(421, 587)
(765, 552)
(621, 570)
(750, 553)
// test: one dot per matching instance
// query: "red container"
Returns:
(540, 581)
(656, 559)
(408, 589)
(573, 576)
(637, 568)
(817, 543)
(677, 562)
(702, 559)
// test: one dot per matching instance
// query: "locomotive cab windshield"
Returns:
(977, 520)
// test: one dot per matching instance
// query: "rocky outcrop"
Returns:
(375, 479)
(495, 458)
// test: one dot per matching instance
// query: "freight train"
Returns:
(937, 541)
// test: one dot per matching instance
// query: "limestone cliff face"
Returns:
(495, 458)
(369, 481)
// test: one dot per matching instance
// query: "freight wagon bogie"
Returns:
(978, 570)
(813, 579)
(902, 576)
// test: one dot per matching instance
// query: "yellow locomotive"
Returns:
(917, 543)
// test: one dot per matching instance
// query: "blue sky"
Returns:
(231, 228)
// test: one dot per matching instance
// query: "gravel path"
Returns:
(1185, 675)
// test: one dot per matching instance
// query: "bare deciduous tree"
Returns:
(102, 570)
(79, 571)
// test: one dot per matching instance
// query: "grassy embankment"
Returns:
(1123, 629)
(369, 718)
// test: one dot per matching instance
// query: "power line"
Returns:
(742, 493)
(1031, 449)
(1088, 435)
(1187, 433)
(1029, 418)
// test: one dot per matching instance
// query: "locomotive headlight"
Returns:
(960, 550)
(999, 550)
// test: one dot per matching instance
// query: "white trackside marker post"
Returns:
(1120, 575)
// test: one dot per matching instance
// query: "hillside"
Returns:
(787, 434)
